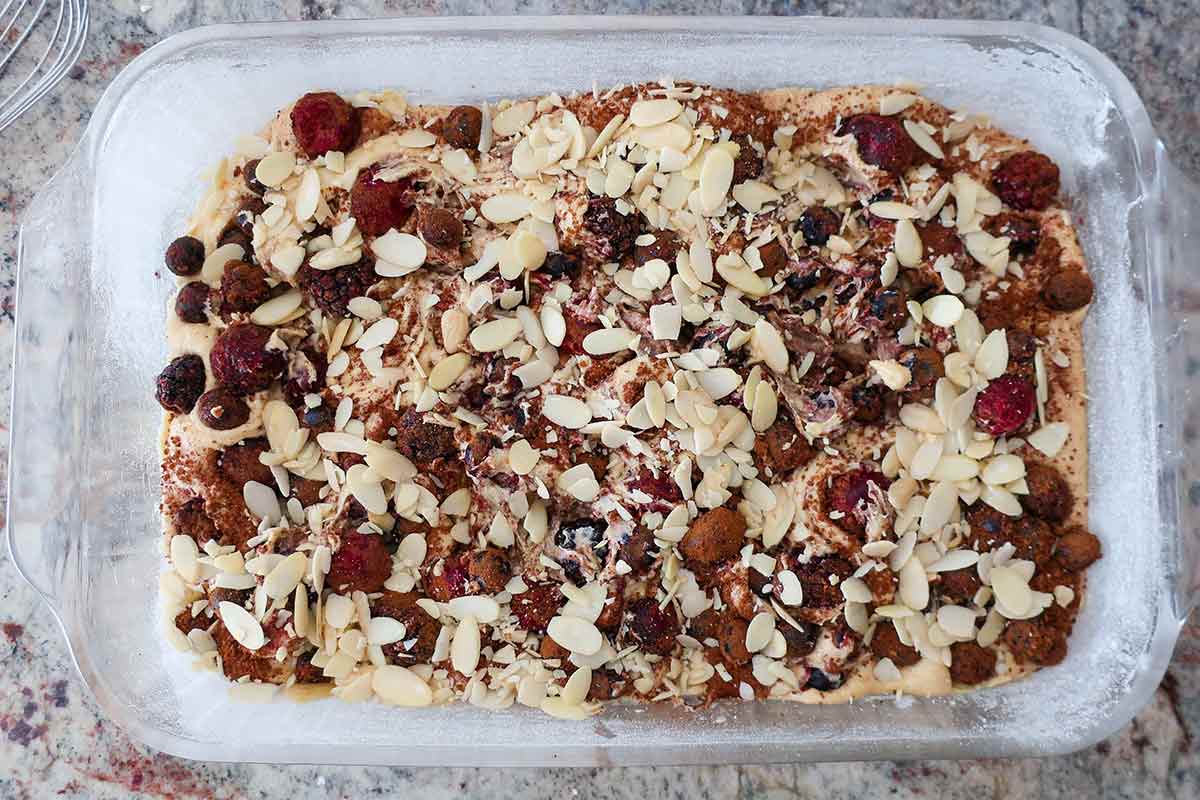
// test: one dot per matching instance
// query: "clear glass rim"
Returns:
(1129, 105)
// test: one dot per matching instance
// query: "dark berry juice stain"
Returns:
(13, 631)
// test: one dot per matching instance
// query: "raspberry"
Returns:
(849, 489)
(1005, 405)
(323, 121)
(241, 361)
(362, 562)
(181, 383)
(439, 226)
(424, 441)
(653, 628)
(451, 583)
(331, 290)
(536, 606)
(185, 256)
(660, 487)
(616, 231)
(1026, 181)
(818, 223)
(378, 205)
(882, 141)
(939, 240)
(489, 570)
(372, 123)
(970, 663)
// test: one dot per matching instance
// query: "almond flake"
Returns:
(766, 407)
(890, 209)
(242, 625)
(991, 360)
(648, 113)
(213, 268)
(1050, 438)
(505, 207)
(400, 686)
(448, 370)
(759, 631)
(569, 412)
(484, 609)
(895, 103)
(791, 590)
(665, 322)
(522, 457)
(402, 249)
(464, 649)
(495, 335)
(415, 138)
(1003, 469)
(716, 176)
(607, 341)
(285, 577)
(279, 309)
(575, 634)
(923, 139)
(1012, 589)
(944, 310)
(275, 168)
(893, 374)
(767, 344)
(907, 245)
(379, 334)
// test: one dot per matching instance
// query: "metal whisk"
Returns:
(40, 41)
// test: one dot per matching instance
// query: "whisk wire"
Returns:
(64, 43)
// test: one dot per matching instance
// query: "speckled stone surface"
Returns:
(54, 740)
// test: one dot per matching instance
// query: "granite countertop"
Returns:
(53, 738)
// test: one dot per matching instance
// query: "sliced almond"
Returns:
(575, 634)
(716, 176)
(496, 334)
(522, 457)
(400, 686)
(242, 625)
(648, 113)
(448, 370)
(275, 168)
(464, 649)
(505, 207)
(569, 412)
(607, 341)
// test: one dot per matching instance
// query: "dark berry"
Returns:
(379, 205)
(323, 121)
(222, 410)
(652, 627)
(439, 226)
(1005, 405)
(802, 283)
(822, 682)
(869, 403)
(939, 240)
(462, 127)
(1021, 345)
(818, 223)
(251, 179)
(191, 303)
(241, 360)
(616, 231)
(1027, 181)
(332, 290)
(581, 532)
(559, 265)
(1024, 232)
(773, 257)
(665, 246)
(749, 164)
(181, 383)
(316, 417)
(244, 218)
(243, 287)
(1049, 495)
(890, 307)
(185, 255)
(1067, 290)
(882, 141)
(925, 366)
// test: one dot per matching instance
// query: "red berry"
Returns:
(185, 255)
(1026, 181)
(849, 489)
(451, 582)
(536, 606)
(660, 487)
(882, 141)
(241, 361)
(323, 121)
(1005, 405)
(378, 205)
(362, 562)
(652, 627)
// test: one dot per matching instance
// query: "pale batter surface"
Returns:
(665, 392)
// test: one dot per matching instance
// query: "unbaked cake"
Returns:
(666, 392)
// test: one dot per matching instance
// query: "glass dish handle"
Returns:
(1178, 332)
(45, 492)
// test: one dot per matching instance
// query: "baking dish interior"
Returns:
(93, 300)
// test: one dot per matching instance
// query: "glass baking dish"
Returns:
(83, 490)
